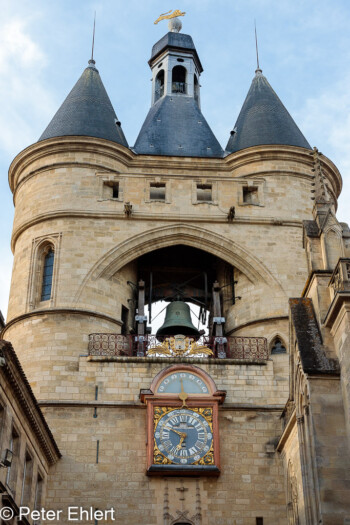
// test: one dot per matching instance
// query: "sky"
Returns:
(304, 50)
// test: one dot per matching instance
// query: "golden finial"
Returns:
(167, 16)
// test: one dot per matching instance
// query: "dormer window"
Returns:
(159, 87)
(179, 80)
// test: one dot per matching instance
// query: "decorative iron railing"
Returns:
(248, 348)
(179, 87)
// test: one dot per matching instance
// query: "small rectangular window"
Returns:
(14, 446)
(204, 193)
(250, 195)
(38, 492)
(111, 189)
(259, 521)
(157, 191)
(27, 480)
(115, 189)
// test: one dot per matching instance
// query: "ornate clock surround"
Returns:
(202, 403)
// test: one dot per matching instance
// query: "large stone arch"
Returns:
(189, 235)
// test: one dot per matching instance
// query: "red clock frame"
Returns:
(152, 398)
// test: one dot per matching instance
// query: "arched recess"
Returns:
(159, 85)
(187, 235)
(41, 247)
(334, 246)
(277, 344)
(179, 79)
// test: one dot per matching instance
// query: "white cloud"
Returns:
(26, 98)
(331, 111)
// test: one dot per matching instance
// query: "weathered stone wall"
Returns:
(251, 483)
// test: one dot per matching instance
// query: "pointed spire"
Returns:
(258, 70)
(263, 119)
(93, 41)
(87, 111)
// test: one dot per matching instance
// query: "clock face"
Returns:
(184, 436)
(191, 384)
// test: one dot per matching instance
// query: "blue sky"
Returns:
(304, 49)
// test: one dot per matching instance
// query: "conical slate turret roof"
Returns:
(87, 111)
(175, 126)
(264, 120)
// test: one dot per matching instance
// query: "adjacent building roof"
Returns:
(308, 335)
(263, 119)
(11, 372)
(175, 126)
(87, 111)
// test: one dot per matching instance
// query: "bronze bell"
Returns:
(178, 321)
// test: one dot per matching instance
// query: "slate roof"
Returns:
(176, 41)
(263, 119)
(312, 353)
(86, 111)
(175, 126)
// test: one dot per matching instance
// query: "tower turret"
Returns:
(175, 124)
(87, 111)
(264, 120)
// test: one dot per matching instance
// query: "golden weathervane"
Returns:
(169, 15)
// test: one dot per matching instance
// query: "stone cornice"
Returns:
(57, 403)
(155, 163)
(340, 305)
(164, 217)
(15, 376)
(60, 311)
(257, 321)
(286, 432)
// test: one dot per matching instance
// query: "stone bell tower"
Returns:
(192, 427)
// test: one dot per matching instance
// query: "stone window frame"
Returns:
(10, 483)
(3, 425)
(157, 180)
(28, 459)
(250, 184)
(107, 180)
(271, 344)
(214, 191)
(40, 247)
(39, 477)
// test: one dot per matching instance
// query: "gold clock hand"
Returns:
(181, 434)
(183, 395)
(181, 441)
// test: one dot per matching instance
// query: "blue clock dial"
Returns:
(192, 384)
(183, 436)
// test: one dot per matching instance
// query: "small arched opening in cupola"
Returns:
(179, 80)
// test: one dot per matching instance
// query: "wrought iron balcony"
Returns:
(247, 348)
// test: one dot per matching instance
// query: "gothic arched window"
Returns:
(278, 346)
(179, 80)
(159, 87)
(46, 284)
